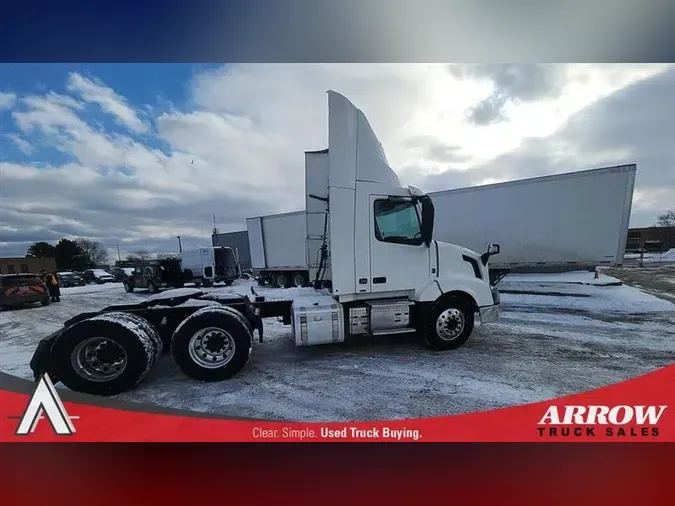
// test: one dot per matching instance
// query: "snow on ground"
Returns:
(542, 347)
(666, 257)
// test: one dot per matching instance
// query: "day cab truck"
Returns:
(379, 272)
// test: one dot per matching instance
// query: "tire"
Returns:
(45, 302)
(128, 287)
(152, 287)
(299, 279)
(207, 283)
(281, 280)
(229, 282)
(130, 339)
(227, 325)
(451, 312)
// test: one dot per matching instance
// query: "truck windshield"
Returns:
(398, 222)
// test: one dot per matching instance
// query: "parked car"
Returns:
(154, 275)
(21, 289)
(121, 273)
(98, 276)
(68, 279)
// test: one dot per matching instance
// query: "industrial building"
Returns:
(238, 241)
(658, 239)
(22, 265)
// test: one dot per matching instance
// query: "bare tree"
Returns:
(167, 256)
(95, 252)
(666, 219)
(138, 256)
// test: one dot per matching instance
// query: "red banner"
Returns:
(638, 409)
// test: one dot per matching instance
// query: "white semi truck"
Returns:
(575, 220)
(379, 272)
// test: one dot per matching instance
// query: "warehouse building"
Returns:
(238, 241)
(22, 265)
(658, 239)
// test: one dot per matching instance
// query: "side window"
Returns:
(397, 222)
(24, 268)
(11, 269)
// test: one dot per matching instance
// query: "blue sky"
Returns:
(134, 154)
(160, 86)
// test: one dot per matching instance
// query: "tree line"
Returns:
(76, 255)
(81, 254)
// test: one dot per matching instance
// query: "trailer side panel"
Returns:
(568, 220)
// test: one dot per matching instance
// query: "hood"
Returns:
(452, 255)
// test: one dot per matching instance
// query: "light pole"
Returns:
(180, 246)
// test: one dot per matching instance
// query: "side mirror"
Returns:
(427, 219)
(493, 249)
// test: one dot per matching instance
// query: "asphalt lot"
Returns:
(543, 347)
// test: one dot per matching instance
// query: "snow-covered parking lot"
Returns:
(544, 346)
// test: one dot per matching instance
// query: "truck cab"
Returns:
(373, 237)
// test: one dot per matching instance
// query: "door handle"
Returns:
(379, 281)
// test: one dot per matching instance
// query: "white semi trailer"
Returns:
(576, 220)
(381, 269)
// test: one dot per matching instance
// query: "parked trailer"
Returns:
(576, 220)
(375, 245)
(278, 249)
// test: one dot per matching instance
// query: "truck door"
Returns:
(207, 263)
(399, 258)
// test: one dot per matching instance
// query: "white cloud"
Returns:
(239, 150)
(7, 100)
(96, 92)
(22, 144)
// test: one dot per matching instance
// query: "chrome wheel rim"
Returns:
(99, 359)
(450, 324)
(211, 348)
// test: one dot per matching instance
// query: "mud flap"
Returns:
(41, 362)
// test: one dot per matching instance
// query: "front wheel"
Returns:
(450, 324)
(152, 287)
(128, 287)
(212, 344)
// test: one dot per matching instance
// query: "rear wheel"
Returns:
(281, 280)
(106, 354)
(450, 324)
(128, 287)
(152, 287)
(299, 279)
(212, 344)
(45, 302)
(207, 283)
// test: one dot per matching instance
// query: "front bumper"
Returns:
(489, 314)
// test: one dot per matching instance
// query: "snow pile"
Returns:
(573, 277)
(175, 293)
(271, 294)
(624, 299)
(668, 256)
